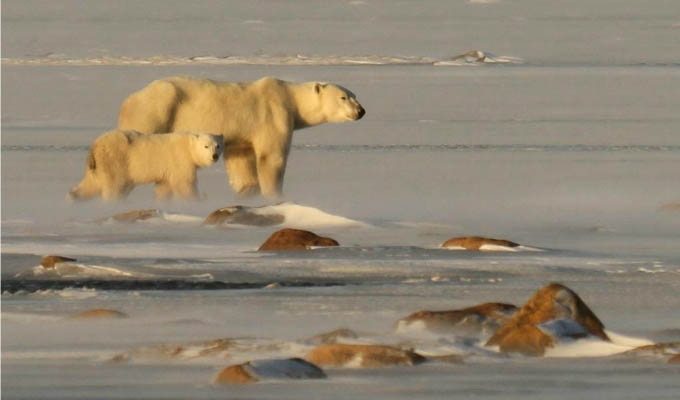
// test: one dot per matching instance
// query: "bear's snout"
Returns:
(216, 156)
(361, 112)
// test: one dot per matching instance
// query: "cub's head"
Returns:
(337, 103)
(207, 148)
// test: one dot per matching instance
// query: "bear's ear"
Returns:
(317, 87)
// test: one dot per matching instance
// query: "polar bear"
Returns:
(256, 120)
(119, 160)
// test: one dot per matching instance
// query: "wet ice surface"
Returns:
(573, 152)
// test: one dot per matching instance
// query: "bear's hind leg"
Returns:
(136, 114)
(239, 161)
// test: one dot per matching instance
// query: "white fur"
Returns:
(120, 160)
(255, 118)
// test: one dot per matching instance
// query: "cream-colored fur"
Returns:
(120, 160)
(255, 118)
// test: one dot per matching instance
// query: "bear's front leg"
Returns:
(271, 166)
(239, 161)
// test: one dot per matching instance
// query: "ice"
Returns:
(566, 144)
(595, 347)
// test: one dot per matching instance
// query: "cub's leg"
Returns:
(114, 187)
(162, 190)
(184, 187)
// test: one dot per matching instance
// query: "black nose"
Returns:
(362, 112)
(215, 156)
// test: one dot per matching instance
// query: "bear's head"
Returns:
(337, 103)
(207, 148)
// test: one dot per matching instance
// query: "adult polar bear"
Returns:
(256, 119)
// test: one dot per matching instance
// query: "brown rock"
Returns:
(472, 320)
(473, 55)
(49, 261)
(99, 313)
(295, 239)
(669, 348)
(361, 355)
(475, 242)
(521, 334)
(448, 358)
(260, 370)
(332, 336)
(135, 215)
(243, 216)
(675, 359)
(235, 375)
(670, 207)
(209, 348)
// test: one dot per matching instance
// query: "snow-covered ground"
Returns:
(570, 148)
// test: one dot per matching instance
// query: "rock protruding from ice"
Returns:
(657, 349)
(272, 369)
(217, 348)
(478, 57)
(243, 216)
(295, 239)
(100, 313)
(362, 356)
(479, 243)
(288, 213)
(552, 313)
(482, 319)
(49, 262)
(134, 216)
(672, 207)
(332, 337)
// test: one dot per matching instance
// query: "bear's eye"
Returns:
(343, 98)
(206, 147)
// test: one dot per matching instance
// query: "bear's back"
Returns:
(230, 108)
(118, 139)
(196, 89)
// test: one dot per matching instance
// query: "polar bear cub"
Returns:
(119, 160)
(256, 119)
